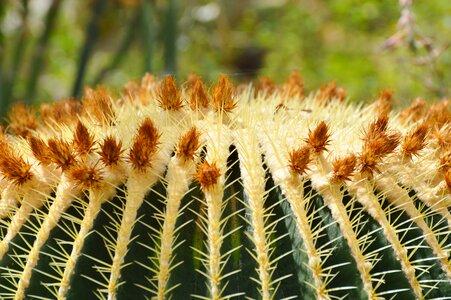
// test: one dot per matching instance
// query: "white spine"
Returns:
(218, 143)
(399, 197)
(363, 190)
(253, 177)
(333, 198)
(64, 196)
(178, 177)
(292, 187)
(138, 184)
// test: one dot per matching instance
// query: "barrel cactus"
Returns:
(180, 192)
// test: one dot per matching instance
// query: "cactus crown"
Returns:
(265, 193)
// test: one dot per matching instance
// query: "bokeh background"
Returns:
(51, 49)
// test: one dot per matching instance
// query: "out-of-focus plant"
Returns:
(45, 41)
(51, 49)
(423, 51)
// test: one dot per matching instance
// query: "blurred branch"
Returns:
(148, 27)
(122, 49)
(18, 50)
(92, 31)
(409, 36)
(38, 55)
(169, 34)
(2, 55)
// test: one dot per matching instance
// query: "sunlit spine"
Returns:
(181, 168)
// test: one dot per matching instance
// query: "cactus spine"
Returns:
(170, 192)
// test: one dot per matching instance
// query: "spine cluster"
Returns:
(229, 160)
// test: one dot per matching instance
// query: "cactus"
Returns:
(252, 193)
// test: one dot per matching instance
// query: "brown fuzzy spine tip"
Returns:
(386, 144)
(40, 150)
(169, 97)
(377, 127)
(83, 141)
(147, 81)
(377, 144)
(207, 175)
(439, 114)
(140, 91)
(294, 85)
(132, 90)
(13, 167)
(327, 91)
(442, 136)
(340, 94)
(415, 110)
(266, 85)
(144, 146)
(343, 168)
(88, 177)
(110, 151)
(382, 144)
(188, 144)
(62, 111)
(223, 94)
(385, 102)
(299, 159)
(192, 79)
(368, 163)
(99, 105)
(318, 139)
(22, 120)
(197, 95)
(331, 91)
(60, 153)
(414, 141)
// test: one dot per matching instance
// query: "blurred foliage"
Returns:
(50, 49)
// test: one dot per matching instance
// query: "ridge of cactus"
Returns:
(178, 191)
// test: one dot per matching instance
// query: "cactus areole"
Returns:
(186, 192)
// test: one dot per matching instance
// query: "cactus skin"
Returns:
(170, 193)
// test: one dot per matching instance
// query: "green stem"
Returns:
(38, 56)
(148, 27)
(86, 51)
(2, 54)
(18, 50)
(169, 35)
(118, 57)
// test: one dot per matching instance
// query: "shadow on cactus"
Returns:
(177, 192)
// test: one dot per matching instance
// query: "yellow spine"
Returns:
(362, 189)
(64, 196)
(253, 177)
(178, 177)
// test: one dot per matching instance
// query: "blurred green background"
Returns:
(51, 49)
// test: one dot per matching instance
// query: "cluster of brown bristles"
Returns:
(98, 104)
(69, 157)
(378, 140)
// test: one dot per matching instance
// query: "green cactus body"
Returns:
(170, 193)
